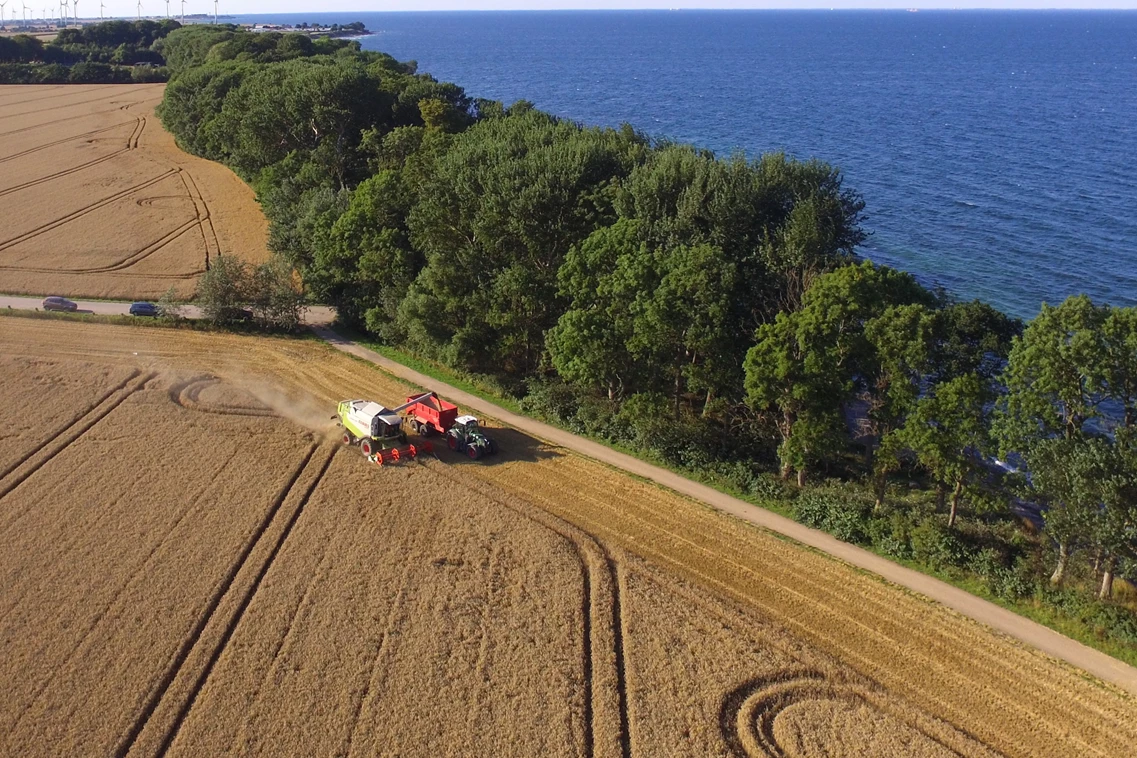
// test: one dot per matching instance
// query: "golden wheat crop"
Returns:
(99, 201)
(204, 570)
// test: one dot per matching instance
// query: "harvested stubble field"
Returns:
(191, 566)
(99, 201)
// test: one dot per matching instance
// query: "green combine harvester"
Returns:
(377, 430)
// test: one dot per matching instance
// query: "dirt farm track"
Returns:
(96, 200)
(192, 564)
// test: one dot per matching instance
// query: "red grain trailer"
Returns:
(431, 415)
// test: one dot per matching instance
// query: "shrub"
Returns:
(169, 307)
(845, 517)
(223, 290)
(1011, 583)
(892, 534)
(276, 294)
(551, 400)
(936, 545)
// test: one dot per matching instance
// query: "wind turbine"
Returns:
(101, 6)
(167, 8)
(215, 11)
(75, 10)
(183, 11)
(139, 10)
(25, 15)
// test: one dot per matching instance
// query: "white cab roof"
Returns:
(466, 419)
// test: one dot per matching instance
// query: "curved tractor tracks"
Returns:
(605, 720)
(748, 718)
(169, 702)
(201, 218)
(607, 728)
(131, 144)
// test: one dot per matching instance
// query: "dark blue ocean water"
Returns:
(995, 150)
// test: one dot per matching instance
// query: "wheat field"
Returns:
(193, 565)
(98, 201)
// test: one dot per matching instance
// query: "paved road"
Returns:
(314, 316)
(1098, 664)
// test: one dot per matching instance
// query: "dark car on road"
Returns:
(59, 304)
(143, 309)
(236, 314)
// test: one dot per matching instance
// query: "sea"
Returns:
(996, 151)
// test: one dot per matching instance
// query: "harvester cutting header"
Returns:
(380, 435)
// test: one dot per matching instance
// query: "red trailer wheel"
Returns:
(426, 430)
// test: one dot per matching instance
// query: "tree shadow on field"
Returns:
(512, 445)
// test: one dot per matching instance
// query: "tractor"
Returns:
(466, 436)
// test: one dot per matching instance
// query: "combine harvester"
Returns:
(379, 431)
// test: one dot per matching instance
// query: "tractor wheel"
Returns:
(493, 448)
(452, 441)
(367, 447)
(347, 440)
(474, 452)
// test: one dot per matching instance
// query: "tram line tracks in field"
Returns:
(56, 223)
(65, 140)
(13, 477)
(602, 586)
(227, 588)
(131, 144)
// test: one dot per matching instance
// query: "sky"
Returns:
(128, 8)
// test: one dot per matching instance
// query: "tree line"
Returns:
(711, 311)
(109, 52)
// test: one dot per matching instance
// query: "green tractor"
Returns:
(467, 437)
